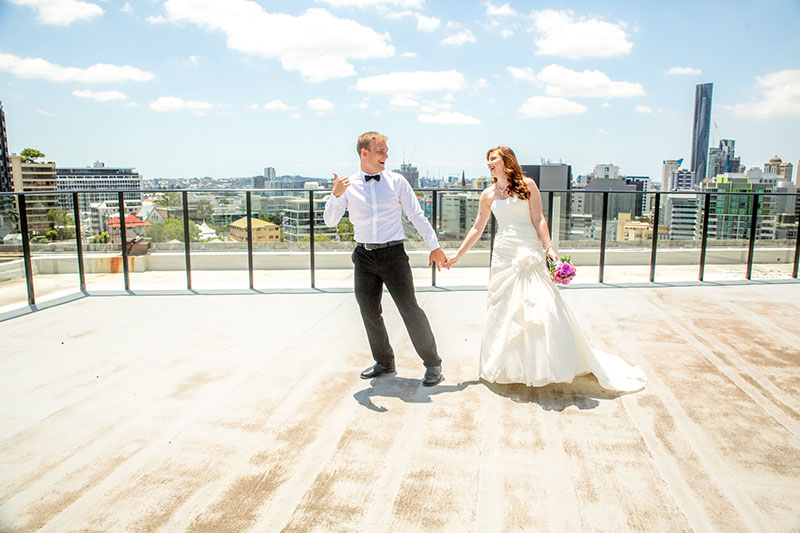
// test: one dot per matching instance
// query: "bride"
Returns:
(531, 336)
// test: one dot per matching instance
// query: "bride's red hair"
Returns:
(516, 184)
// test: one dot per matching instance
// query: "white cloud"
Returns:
(560, 34)
(46, 113)
(194, 60)
(253, 107)
(643, 109)
(449, 98)
(606, 105)
(526, 73)
(37, 68)
(481, 83)
(506, 33)
(427, 23)
(684, 70)
(561, 81)
(404, 102)
(780, 96)
(409, 83)
(277, 105)
(459, 38)
(320, 105)
(317, 44)
(548, 106)
(295, 115)
(504, 10)
(61, 12)
(449, 117)
(127, 8)
(100, 96)
(409, 54)
(174, 103)
(601, 131)
(131, 104)
(380, 4)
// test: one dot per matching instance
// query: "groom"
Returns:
(376, 199)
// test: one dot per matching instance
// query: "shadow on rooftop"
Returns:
(584, 393)
(406, 389)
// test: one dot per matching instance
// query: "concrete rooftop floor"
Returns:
(245, 412)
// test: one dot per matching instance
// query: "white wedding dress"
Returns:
(531, 335)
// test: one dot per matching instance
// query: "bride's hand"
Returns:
(451, 261)
(551, 254)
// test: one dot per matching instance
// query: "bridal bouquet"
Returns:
(562, 271)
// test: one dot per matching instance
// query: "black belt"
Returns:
(379, 245)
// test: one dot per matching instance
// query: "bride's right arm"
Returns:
(475, 232)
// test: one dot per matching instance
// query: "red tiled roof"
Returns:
(130, 221)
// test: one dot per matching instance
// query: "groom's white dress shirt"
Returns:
(375, 209)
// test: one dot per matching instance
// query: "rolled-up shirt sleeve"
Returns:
(334, 210)
(415, 214)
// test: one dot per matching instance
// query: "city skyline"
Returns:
(223, 89)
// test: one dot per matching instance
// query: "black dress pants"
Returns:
(389, 266)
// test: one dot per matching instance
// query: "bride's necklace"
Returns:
(502, 191)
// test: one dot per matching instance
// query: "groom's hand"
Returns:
(340, 183)
(437, 256)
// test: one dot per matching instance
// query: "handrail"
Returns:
(436, 193)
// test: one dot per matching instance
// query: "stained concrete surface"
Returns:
(245, 412)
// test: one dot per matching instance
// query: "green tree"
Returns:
(317, 238)
(276, 218)
(204, 209)
(171, 229)
(30, 155)
(13, 217)
(345, 230)
(100, 239)
(64, 224)
(170, 199)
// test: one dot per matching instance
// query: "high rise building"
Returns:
(617, 203)
(723, 159)
(97, 178)
(730, 214)
(6, 183)
(604, 171)
(700, 129)
(644, 201)
(258, 182)
(666, 169)
(411, 173)
(32, 177)
(683, 216)
(680, 179)
(548, 177)
(269, 173)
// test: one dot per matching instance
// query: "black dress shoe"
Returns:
(377, 370)
(433, 376)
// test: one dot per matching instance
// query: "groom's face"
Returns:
(374, 159)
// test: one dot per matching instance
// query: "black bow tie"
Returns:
(376, 177)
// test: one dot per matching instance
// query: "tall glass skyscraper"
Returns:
(700, 129)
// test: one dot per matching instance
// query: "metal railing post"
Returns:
(435, 224)
(76, 212)
(796, 249)
(187, 249)
(550, 196)
(311, 234)
(704, 237)
(654, 243)
(26, 249)
(123, 234)
(753, 224)
(249, 236)
(602, 265)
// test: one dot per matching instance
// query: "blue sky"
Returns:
(184, 88)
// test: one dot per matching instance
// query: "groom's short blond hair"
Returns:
(365, 140)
